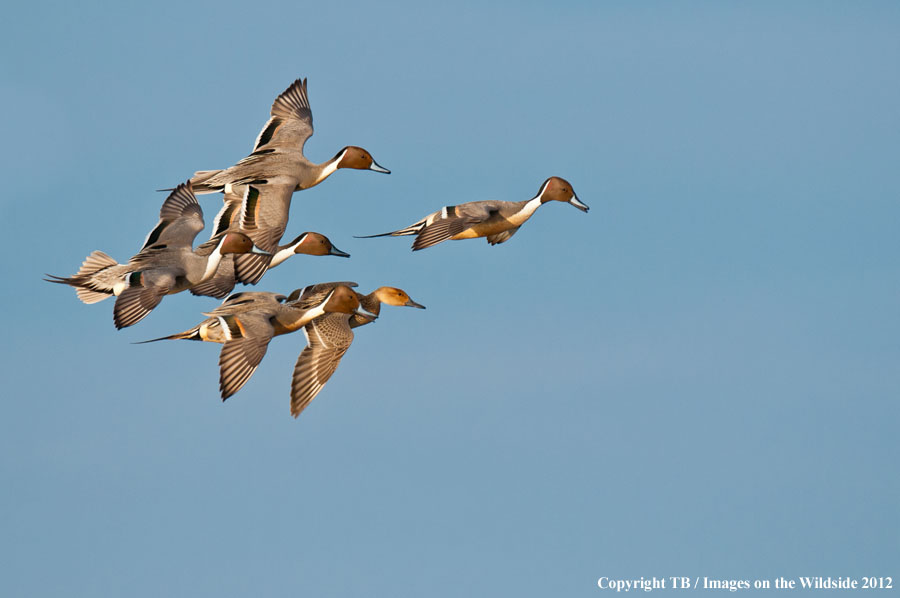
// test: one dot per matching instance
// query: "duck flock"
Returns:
(246, 242)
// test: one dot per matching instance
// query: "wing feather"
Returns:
(242, 355)
(264, 213)
(329, 337)
(135, 302)
(291, 123)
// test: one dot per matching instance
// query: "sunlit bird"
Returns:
(495, 220)
(277, 157)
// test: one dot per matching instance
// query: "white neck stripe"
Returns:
(330, 168)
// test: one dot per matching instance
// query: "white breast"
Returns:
(525, 213)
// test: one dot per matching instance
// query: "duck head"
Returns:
(310, 243)
(358, 158)
(559, 189)
(395, 296)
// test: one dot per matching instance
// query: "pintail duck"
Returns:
(277, 157)
(246, 322)
(495, 220)
(165, 265)
(249, 268)
(328, 337)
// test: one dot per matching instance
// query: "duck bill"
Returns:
(259, 251)
(577, 203)
(379, 168)
(338, 252)
(412, 303)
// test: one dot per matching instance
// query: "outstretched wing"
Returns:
(291, 122)
(241, 354)
(180, 219)
(328, 338)
(134, 303)
(450, 221)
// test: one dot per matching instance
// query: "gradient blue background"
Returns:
(699, 377)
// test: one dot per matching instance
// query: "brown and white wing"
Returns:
(451, 221)
(328, 338)
(242, 353)
(291, 122)
(180, 219)
(135, 302)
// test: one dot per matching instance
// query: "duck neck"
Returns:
(212, 261)
(525, 211)
(212, 264)
(326, 169)
(371, 303)
(531, 205)
(282, 254)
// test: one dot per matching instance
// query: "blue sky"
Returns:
(699, 377)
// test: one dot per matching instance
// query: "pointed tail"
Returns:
(192, 335)
(412, 229)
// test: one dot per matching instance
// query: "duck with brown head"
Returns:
(277, 156)
(358, 159)
(308, 243)
(495, 220)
